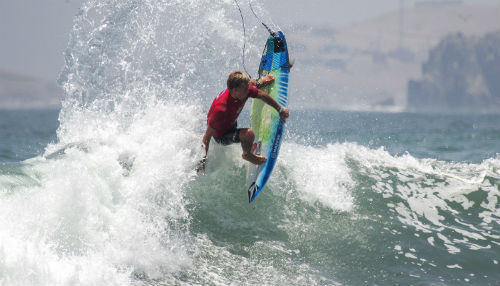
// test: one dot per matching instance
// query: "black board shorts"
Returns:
(231, 136)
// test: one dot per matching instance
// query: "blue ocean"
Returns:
(104, 192)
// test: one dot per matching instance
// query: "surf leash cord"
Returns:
(260, 20)
(244, 37)
(271, 32)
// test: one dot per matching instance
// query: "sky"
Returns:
(34, 33)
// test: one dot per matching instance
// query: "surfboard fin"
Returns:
(251, 191)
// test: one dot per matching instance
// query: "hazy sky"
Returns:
(340, 12)
(34, 33)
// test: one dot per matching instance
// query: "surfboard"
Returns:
(264, 120)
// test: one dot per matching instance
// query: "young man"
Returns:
(225, 109)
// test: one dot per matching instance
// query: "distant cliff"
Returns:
(462, 74)
(367, 66)
(23, 92)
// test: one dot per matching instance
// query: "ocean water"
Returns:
(25, 133)
(104, 192)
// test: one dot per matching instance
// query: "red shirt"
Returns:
(225, 110)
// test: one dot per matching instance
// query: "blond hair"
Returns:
(237, 79)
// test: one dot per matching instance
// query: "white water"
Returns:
(108, 198)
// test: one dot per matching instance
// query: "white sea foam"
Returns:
(430, 188)
(107, 200)
(103, 210)
(319, 174)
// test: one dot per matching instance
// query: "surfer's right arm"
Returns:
(206, 141)
(206, 138)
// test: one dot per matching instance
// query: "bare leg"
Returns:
(247, 136)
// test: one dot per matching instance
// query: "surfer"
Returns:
(225, 109)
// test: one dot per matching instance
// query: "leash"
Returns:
(244, 37)
(271, 32)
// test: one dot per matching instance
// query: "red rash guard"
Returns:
(225, 110)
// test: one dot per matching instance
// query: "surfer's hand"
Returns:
(284, 113)
(201, 165)
(268, 79)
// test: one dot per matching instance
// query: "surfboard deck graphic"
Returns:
(265, 120)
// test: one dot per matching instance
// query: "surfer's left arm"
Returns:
(268, 79)
(283, 111)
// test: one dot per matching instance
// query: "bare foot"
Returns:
(254, 159)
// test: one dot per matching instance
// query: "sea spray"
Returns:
(107, 203)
